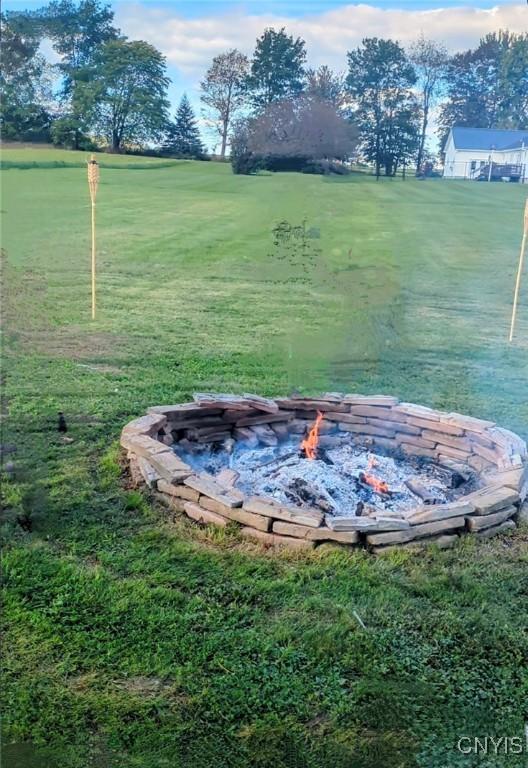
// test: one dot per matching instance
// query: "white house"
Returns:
(486, 154)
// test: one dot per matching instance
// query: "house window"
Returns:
(473, 165)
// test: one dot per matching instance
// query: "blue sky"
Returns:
(298, 8)
(191, 32)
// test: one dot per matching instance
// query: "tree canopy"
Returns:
(292, 135)
(429, 60)
(125, 94)
(182, 136)
(379, 81)
(514, 83)
(24, 81)
(324, 85)
(277, 68)
(224, 90)
(487, 87)
(76, 31)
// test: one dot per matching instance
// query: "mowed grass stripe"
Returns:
(137, 640)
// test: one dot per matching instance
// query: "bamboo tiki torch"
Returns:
(93, 181)
(519, 271)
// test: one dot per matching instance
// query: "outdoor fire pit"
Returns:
(353, 469)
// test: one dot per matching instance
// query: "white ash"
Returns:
(277, 471)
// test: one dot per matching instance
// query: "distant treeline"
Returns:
(269, 111)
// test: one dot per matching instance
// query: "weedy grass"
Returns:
(134, 639)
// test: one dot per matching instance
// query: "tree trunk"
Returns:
(225, 121)
(421, 145)
(225, 126)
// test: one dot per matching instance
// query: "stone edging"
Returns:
(497, 457)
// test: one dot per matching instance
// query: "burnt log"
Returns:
(300, 490)
(427, 495)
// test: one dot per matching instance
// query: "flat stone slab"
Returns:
(274, 540)
(469, 423)
(452, 441)
(171, 502)
(383, 400)
(418, 411)
(416, 532)
(248, 421)
(480, 522)
(314, 534)
(235, 402)
(206, 484)
(170, 467)
(443, 541)
(142, 445)
(508, 440)
(451, 453)
(366, 524)
(261, 403)
(436, 426)
(150, 424)
(395, 523)
(180, 491)
(204, 516)
(348, 418)
(505, 527)
(150, 476)
(371, 411)
(292, 403)
(492, 498)
(366, 429)
(271, 508)
(434, 512)
(237, 514)
(246, 435)
(184, 411)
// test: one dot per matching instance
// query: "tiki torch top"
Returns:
(93, 177)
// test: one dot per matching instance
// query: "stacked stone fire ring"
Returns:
(496, 458)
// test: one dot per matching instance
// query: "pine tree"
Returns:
(183, 137)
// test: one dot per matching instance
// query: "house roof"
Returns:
(488, 138)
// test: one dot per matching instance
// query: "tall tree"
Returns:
(476, 94)
(125, 95)
(324, 85)
(223, 90)
(399, 137)
(514, 84)
(24, 81)
(76, 31)
(430, 61)
(183, 136)
(379, 81)
(277, 68)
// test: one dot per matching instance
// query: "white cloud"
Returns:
(190, 43)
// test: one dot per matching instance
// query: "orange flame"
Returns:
(309, 445)
(380, 486)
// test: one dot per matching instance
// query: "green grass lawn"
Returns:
(134, 640)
